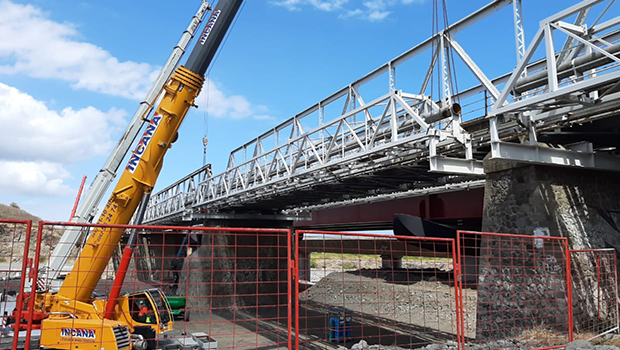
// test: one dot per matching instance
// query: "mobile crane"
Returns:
(87, 209)
(71, 318)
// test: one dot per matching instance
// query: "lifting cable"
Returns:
(205, 122)
(454, 88)
(205, 138)
(448, 51)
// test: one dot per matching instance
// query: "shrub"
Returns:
(347, 265)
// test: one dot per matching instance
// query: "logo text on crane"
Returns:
(144, 141)
(78, 333)
(209, 26)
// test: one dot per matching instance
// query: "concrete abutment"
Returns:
(581, 205)
(240, 271)
(515, 276)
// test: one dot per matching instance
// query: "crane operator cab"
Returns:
(149, 307)
(147, 313)
(141, 312)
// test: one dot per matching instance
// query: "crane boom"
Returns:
(106, 175)
(146, 161)
(73, 311)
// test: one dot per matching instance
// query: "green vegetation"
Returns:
(426, 258)
(331, 256)
(347, 265)
(357, 261)
(312, 263)
(345, 261)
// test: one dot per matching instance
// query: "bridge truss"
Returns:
(376, 137)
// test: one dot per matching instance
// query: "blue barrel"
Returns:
(339, 326)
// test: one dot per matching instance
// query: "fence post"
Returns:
(569, 287)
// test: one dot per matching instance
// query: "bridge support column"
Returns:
(581, 205)
(391, 262)
(229, 269)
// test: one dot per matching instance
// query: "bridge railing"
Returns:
(359, 130)
(344, 145)
(175, 199)
(344, 136)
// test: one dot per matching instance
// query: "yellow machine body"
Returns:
(95, 334)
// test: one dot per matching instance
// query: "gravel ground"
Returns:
(405, 299)
(502, 344)
(398, 297)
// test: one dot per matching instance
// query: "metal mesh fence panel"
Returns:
(18, 246)
(595, 292)
(225, 288)
(377, 289)
(232, 288)
(522, 284)
(235, 283)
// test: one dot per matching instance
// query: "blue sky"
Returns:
(72, 73)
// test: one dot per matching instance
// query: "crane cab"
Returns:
(147, 309)
(139, 317)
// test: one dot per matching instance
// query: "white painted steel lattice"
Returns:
(371, 125)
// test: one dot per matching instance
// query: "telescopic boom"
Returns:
(146, 161)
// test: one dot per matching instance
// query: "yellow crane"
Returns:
(71, 318)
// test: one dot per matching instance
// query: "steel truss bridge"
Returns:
(376, 138)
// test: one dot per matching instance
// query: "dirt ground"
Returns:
(233, 331)
(395, 299)
(386, 308)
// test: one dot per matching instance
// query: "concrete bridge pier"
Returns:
(581, 205)
(229, 269)
(390, 261)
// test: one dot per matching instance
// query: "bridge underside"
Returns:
(461, 209)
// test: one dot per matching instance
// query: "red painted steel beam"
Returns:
(458, 205)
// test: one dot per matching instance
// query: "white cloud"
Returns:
(373, 11)
(291, 5)
(33, 179)
(32, 132)
(37, 143)
(377, 16)
(323, 5)
(219, 105)
(40, 144)
(328, 6)
(41, 48)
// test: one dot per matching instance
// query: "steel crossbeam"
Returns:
(371, 130)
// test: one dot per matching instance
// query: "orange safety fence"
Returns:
(595, 292)
(18, 249)
(377, 289)
(520, 287)
(226, 287)
(241, 288)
